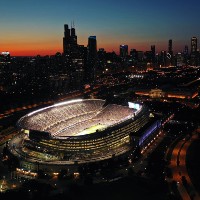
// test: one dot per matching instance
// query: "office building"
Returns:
(170, 48)
(70, 46)
(194, 52)
(193, 45)
(90, 70)
(153, 54)
(123, 51)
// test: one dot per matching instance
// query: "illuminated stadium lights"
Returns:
(55, 105)
(39, 110)
(134, 105)
(73, 117)
(67, 102)
(80, 131)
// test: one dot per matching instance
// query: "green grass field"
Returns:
(91, 129)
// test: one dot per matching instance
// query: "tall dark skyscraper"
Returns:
(75, 57)
(170, 48)
(186, 55)
(194, 54)
(69, 40)
(179, 60)
(163, 58)
(153, 53)
(186, 51)
(90, 71)
(123, 51)
(153, 49)
(193, 45)
(133, 54)
(92, 47)
(73, 34)
(170, 54)
(73, 40)
(66, 40)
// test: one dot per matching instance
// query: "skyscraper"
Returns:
(133, 54)
(186, 51)
(169, 55)
(170, 48)
(153, 53)
(193, 45)
(163, 56)
(123, 51)
(153, 49)
(90, 71)
(186, 55)
(92, 47)
(69, 40)
(73, 40)
(74, 57)
(66, 39)
(179, 59)
(194, 53)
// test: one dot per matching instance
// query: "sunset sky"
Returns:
(31, 27)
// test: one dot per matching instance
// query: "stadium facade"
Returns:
(72, 133)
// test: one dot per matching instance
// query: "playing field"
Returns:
(91, 129)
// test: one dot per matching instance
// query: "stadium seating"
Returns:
(70, 119)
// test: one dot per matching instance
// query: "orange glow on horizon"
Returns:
(50, 46)
(34, 52)
(30, 49)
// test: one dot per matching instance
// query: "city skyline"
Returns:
(37, 27)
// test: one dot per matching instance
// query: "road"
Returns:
(179, 169)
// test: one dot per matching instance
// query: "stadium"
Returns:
(80, 131)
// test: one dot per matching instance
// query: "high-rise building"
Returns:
(170, 54)
(75, 57)
(194, 53)
(123, 51)
(186, 51)
(133, 54)
(153, 53)
(170, 48)
(92, 47)
(73, 41)
(140, 55)
(90, 71)
(186, 55)
(5, 57)
(66, 40)
(69, 41)
(101, 59)
(179, 60)
(153, 50)
(163, 57)
(101, 54)
(193, 45)
(148, 56)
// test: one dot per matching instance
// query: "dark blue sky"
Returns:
(36, 26)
